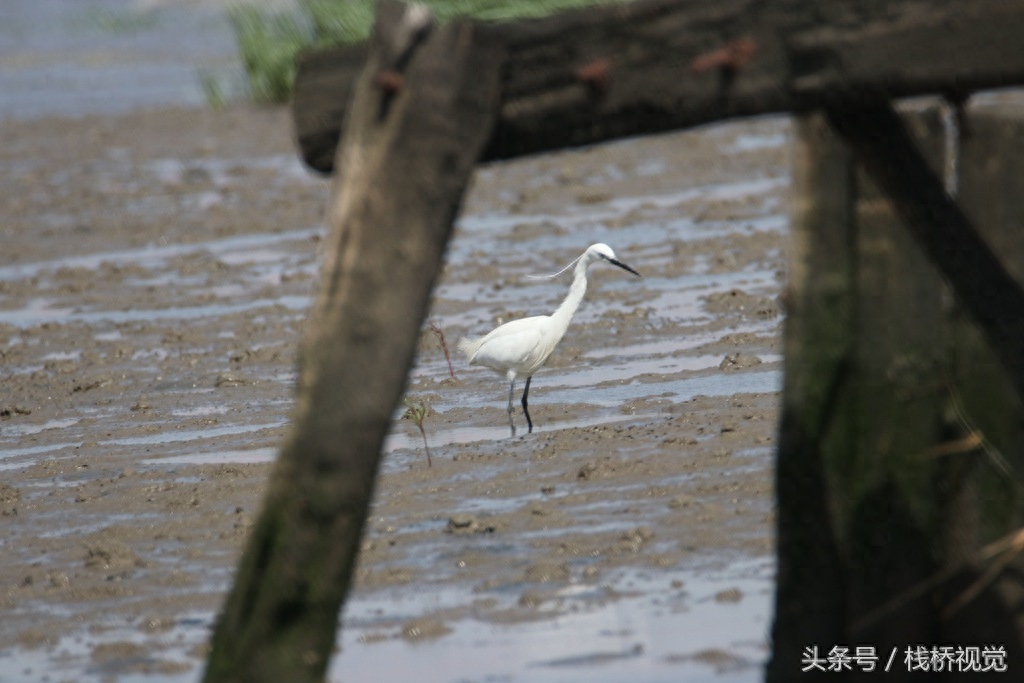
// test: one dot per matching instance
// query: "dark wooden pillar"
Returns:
(882, 477)
(819, 350)
(422, 111)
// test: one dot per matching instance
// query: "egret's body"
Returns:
(521, 347)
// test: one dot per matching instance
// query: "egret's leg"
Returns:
(529, 423)
(511, 410)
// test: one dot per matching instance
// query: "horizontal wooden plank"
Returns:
(655, 65)
(968, 47)
(323, 87)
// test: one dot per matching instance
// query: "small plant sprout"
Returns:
(417, 412)
(436, 329)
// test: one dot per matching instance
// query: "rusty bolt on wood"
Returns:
(595, 74)
(731, 57)
(390, 81)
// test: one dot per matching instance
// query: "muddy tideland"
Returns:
(155, 273)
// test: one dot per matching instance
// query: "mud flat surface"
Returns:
(155, 272)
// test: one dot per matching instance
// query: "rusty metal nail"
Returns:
(596, 74)
(390, 81)
(732, 56)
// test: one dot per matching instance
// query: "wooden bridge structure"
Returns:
(898, 486)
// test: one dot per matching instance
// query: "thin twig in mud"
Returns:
(417, 412)
(436, 329)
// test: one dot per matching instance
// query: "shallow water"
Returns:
(677, 631)
(75, 57)
(596, 635)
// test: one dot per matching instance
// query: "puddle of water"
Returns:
(241, 457)
(200, 411)
(35, 316)
(61, 355)
(752, 143)
(502, 223)
(728, 191)
(588, 388)
(29, 429)
(589, 518)
(651, 636)
(624, 371)
(655, 632)
(675, 346)
(580, 388)
(402, 440)
(191, 434)
(15, 453)
(158, 255)
(71, 657)
(677, 390)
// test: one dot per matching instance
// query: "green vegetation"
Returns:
(417, 412)
(213, 88)
(270, 41)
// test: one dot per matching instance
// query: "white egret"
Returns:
(521, 347)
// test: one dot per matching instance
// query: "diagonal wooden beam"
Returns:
(408, 152)
(879, 140)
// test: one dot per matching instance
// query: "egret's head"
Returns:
(602, 252)
(580, 264)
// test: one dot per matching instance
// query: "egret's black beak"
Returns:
(622, 265)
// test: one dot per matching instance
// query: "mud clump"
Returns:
(111, 555)
(468, 524)
(546, 571)
(738, 301)
(425, 629)
(9, 499)
(739, 361)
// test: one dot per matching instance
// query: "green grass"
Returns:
(270, 41)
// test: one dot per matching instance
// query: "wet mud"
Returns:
(155, 272)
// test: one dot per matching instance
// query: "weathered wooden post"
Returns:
(821, 308)
(422, 111)
(991, 190)
(886, 490)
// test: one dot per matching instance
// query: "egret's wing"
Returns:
(513, 345)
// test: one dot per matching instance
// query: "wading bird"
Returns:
(521, 347)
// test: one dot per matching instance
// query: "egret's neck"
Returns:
(567, 309)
